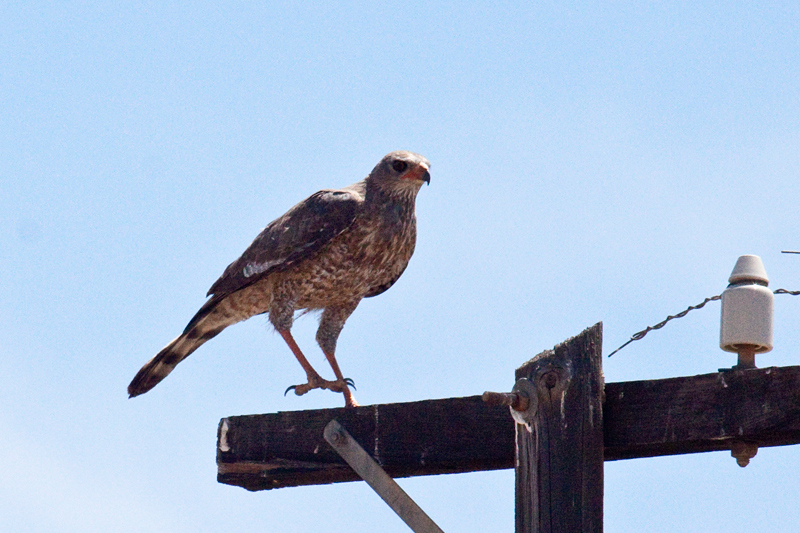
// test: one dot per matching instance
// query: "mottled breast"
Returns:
(364, 261)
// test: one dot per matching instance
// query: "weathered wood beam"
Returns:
(702, 413)
(640, 419)
(287, 449)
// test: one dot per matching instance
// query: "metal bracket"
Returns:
(377, 478)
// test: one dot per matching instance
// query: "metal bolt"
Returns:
(339, 438)
(516, 401)
(743, 451)
(747, 357)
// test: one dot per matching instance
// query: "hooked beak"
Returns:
(420, 173)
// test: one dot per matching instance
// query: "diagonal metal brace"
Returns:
(377, 478)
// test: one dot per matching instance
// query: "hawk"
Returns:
(325, 254)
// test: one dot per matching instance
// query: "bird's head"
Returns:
(402, 172)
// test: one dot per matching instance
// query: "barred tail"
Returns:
(205, 325)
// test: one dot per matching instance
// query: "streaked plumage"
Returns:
(326, 253)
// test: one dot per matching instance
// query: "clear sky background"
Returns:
(590, 162)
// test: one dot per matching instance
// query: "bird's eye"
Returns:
(399, 166)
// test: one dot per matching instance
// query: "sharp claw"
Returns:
(288, 389)
(351, 383)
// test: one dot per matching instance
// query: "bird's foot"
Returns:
(316, 382)
(340, 385)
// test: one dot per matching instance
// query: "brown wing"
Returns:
(298, 234)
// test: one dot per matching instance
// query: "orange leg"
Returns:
(315, 381)
(311, 374)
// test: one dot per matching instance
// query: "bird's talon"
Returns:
(301, 389)
(350, 383)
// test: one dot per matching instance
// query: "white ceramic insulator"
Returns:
(747, 308)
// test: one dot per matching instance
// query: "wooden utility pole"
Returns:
(559, 468)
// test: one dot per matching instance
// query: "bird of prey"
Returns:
(325, 254)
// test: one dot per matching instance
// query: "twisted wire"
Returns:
(640, 334)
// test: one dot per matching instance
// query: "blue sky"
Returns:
(590, 162)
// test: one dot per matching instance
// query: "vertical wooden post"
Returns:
(559, 454)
